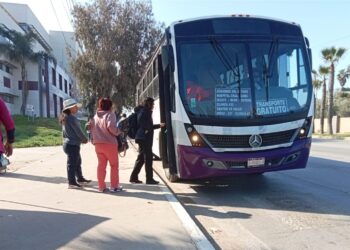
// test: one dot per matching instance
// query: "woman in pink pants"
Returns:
(104, 131)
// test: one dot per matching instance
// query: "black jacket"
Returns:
(145, 125)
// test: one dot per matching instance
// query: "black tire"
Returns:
(171, 177)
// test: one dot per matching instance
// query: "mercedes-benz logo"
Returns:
(255, 141)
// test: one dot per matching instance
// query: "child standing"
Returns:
(73, 136)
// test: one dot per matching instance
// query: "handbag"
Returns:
(122, 144)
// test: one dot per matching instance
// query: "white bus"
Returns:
(236, 95)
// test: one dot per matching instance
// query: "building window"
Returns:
(7, 82)
(53, 77)
(0, 66)
(61, 103)
(7, 69)
(70, 89)
(55, 105)
(32, 85)
(60, 80)
(8, 99)
(65, 86)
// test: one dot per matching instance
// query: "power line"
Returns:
(67, 11)
(70, 7)
(332, 41)
(59, 24)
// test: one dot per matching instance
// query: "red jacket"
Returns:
(196, 91)
(7, 121)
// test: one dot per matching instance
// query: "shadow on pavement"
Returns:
(48, 179)
(21, 229)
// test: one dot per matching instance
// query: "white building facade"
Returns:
(49, 84)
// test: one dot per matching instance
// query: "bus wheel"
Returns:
(169, 176)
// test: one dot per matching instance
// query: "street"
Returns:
(297, 209)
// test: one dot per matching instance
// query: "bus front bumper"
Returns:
(198, 162)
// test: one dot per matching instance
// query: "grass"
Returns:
(39, 132)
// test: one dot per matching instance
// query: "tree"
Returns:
(316, 82)
(117, 38)
(18, 47)
(342, 103)
(343, 75)
(323, 71)
(331, 56)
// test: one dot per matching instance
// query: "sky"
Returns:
(325, 22)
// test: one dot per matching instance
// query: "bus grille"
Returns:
(242, 141)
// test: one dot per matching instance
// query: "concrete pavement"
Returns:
(38, 211)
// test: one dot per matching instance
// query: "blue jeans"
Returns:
(73, 163)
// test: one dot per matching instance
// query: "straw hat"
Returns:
(70, 103)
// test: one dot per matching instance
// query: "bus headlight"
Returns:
(195, 139)
(304, 130)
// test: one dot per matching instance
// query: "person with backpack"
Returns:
(144, 138)
(132, 122)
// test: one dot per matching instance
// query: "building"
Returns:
(48, 83)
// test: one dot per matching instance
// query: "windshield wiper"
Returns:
(268, 66)
(221, 53)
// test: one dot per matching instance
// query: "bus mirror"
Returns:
(165, 57)
(307, 42)
(168, 57)
(309, 51)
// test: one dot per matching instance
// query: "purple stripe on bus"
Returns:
(192, 166)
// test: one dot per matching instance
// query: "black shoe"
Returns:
(83, 181)
(74, 186)
(136, 181)
(152, 182)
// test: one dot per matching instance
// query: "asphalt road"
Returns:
(296, 209)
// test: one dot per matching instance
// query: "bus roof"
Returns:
(233, 16)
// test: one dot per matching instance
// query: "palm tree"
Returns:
(323, 71)
(18, 47)
(343, 75)
(331, 56)
(316, 83)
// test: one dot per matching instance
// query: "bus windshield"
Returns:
(230, 79)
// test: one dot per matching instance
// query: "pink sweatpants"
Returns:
(107, 153)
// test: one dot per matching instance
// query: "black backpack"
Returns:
(132, 125)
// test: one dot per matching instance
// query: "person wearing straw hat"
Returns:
(73, 136)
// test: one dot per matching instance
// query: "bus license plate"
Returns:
(255, 162)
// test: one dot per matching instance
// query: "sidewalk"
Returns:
(38, 211)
